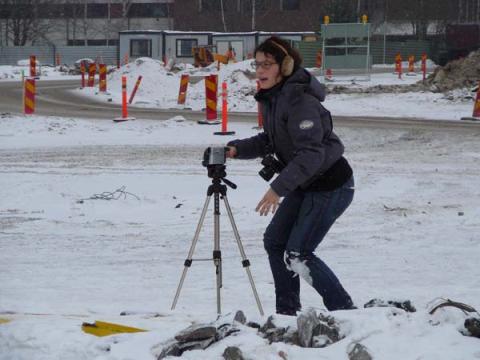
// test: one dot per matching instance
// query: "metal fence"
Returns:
(380, 52)
(50, 55)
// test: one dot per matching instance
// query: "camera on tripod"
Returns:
(214, 156)
(271, 166)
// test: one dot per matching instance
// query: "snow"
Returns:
(159, 89)
(410, 233)
(14, 73)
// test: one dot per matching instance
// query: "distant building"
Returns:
(237, 15)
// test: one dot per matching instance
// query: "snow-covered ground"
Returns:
(14, 73)
(159, 89)
(411, 233)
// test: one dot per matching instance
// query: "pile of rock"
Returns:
(457, 74)
(313, 331)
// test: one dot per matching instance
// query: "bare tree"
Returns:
(222, 10)
(23, 23)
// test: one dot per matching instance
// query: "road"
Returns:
(54, 98)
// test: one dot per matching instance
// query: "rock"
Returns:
(226, 330)
(404, 305)
(268, 325)
(473, 326)
(232, 353)
(172, 349)
(306, 322)
(240, 317)
(323, 335)
(275, 334)
(253, 325)
(196, 333)
(196, 345)
(359, 352)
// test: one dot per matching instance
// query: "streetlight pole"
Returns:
(385, 32)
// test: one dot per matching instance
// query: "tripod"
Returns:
(217, 173)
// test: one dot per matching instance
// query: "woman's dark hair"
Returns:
(271, 47)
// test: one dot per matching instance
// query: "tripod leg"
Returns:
(188, 261)
(217, 254)
(245, 261)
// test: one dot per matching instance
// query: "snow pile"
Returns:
(457, 74)
(159, 87)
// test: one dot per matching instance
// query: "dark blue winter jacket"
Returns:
(299, 130)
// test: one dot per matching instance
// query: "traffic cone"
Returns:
(476, 107)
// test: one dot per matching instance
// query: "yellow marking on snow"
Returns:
(4, 321)
(102, 328)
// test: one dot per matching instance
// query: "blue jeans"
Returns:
(297, 228)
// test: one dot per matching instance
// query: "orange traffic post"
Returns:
(57, 59)
(29, 96)
(318, 59)
(424, 66)
(398, 65)
(476, 107)
(92, 70)
(411, 65)
(224, 112)
(182, 92)
(125, 116)
(329, 75)
(211, 85)
(33, 65)
(102, 77)
(125, 59)
(82, 71)
(259, 112)
(137, 84)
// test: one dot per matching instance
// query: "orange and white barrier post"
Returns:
(398, 65)
(92, 69)
(125, 116)
(182, 92)
(137, 84)
(411, 64)
(29, 96)
(82, 71)
(318, 59)
(476, 107)
(211, 85)
(329, 75)
(102, 77)
(57, 59)
(33, 66)
(224, 112)
(125, 59)
(424, 66)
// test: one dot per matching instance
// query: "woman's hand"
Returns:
(232, 152)
(269, 202)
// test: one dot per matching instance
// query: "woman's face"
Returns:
(268, 71)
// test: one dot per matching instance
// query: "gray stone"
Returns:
(226, 330)
(323, 335)
(359, 352)
(196, 333)
(268, 325)
(233, 353)
(404, 305)
(253, 325)
(170, 350)
(240, 317)
(196, 345)
(306, 322)
(275, 334)
(473, 326)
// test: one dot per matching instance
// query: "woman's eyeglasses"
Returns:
(262, 64)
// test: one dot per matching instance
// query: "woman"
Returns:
(315, 180)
